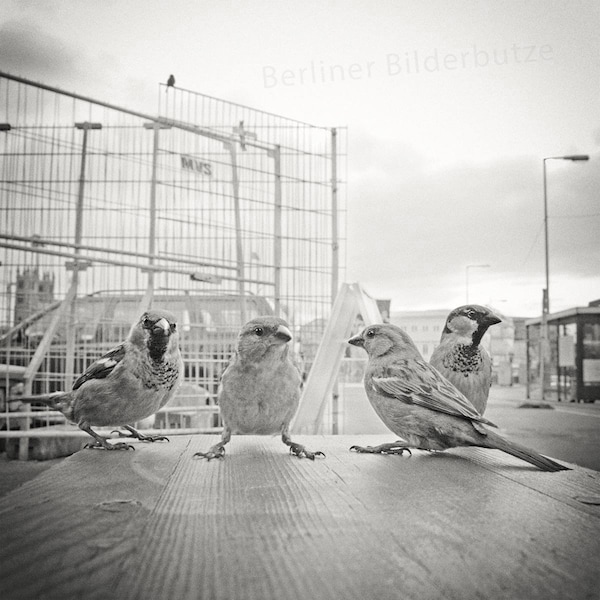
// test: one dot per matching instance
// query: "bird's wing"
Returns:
(226, 373)
(102, 367)
(298, 368)
(418, 383)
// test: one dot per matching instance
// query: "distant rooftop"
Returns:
(567, 314)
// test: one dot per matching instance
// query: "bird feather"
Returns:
(102, 367)
(425, 390)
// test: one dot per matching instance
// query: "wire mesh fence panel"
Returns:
(290, 228)
(217, 211)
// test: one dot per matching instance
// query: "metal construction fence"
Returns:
(215, 210)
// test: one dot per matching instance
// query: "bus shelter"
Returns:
(572, 368)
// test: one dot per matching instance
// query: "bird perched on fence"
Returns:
(129, 383)
(170, 81)
(461, 359)
(422, 407)
(259, 391)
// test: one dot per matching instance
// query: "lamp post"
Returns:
(467, 276)
(544, 337)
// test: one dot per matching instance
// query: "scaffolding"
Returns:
(218, 211)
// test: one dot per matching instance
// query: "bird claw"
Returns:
(393, 448)
(141, 436)
(153, 438)
(212, 453)
(107, 446)
(301, 452)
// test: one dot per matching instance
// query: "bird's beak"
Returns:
(283, 333)
(161, 326)
(491, 319)
(357, 340)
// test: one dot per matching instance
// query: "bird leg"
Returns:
(298, 449)
(218, 450)
(391, 448)
(101, 441)
(140, 436)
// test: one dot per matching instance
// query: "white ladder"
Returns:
(351, 301)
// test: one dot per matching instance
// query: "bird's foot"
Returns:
(140, 436)
(152, 438)
(106, 446)
(214, 452)
(301, 452)
(391, 448)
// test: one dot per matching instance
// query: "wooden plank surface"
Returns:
(261, 525)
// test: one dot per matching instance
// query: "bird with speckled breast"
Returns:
(259, 392)
(129, 383)
(461, 358)
(421, 406)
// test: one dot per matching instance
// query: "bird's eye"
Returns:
(258, 331)
(370, 333)
(147, 323)
(173, 326)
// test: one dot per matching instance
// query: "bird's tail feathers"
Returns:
(531, 456)
(54, 400)
(479, 426)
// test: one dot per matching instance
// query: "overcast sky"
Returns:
(450, 107)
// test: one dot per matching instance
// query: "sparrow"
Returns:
(259, 391)
(170, 81)
(129, 383)
(461, 359)
(422, 407)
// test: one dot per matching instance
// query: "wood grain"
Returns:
(261, 525)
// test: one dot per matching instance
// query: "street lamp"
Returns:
(467, 276)
(572, 157)
(546, 295)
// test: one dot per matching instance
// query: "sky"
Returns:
(450, 106)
